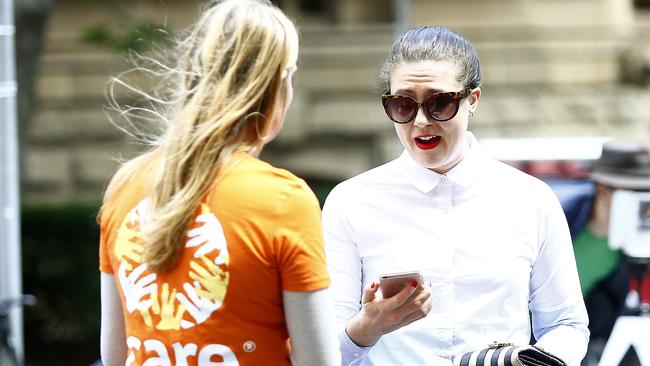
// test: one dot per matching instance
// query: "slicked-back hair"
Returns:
(433, 44)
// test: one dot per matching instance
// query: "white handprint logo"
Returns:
(199, 307)
(136, 288)
(208, 237)
(205, 285)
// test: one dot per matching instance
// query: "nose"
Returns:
(421, 119)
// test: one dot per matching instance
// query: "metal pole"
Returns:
(10, 257)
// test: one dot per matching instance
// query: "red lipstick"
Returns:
(427, 142)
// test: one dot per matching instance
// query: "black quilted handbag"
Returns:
(506, 354)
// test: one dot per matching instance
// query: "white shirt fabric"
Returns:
(493, 242)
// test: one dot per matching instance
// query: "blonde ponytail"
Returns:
(227, 84)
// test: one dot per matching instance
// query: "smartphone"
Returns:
(392, 283)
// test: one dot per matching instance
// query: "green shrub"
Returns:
(60, 267)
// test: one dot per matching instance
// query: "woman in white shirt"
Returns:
(491, 242)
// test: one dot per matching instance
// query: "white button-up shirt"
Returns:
(492, 241)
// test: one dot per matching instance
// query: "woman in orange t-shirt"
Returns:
(208, 255)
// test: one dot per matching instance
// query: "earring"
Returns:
(471, 114)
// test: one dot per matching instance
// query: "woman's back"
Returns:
(257, 233)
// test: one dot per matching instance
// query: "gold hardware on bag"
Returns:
(496, 344)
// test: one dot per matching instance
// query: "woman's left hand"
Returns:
(379, 316)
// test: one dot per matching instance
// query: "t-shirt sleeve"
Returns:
(299, 242)
(104, 256)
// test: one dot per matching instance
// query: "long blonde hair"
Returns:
(230, 70)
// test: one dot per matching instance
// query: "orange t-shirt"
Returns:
(257, 233)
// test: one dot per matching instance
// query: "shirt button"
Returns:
(356, 354)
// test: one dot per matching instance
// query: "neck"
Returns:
(599, 223)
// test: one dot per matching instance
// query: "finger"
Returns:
(170, 301)
(205, 249)
(164, 297)
(151, 277)
(186, 324)
(137, 249)
(404, 295)
(155, 306)
(196, 240)
(221, 258)
(410, 318)
(191, 292)
(421, 305)
(179, 312)
(121, 273)
(144, 304)
(138, 271)
(211, 266)
(150, 289)
(191, 308)
(202, 218)
(199, 269)
(370, 291)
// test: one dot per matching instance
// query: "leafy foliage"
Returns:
(138, 38)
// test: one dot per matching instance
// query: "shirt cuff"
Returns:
(568, 343)
(351, 354)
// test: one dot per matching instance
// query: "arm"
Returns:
(113, 334)
(559, 316)
(310, 323)
(360, 327)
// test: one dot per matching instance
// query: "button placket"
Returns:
(445, 194)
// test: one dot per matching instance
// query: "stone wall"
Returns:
(540, 80)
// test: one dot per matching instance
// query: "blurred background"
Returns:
(578, 70)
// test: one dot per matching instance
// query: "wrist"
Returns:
(358, 333)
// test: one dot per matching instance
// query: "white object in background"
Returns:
(629, 223)
(629, 331)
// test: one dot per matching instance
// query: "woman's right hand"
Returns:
(379, 316)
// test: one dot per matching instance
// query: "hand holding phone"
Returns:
(392, 283)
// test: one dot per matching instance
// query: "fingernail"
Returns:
(414, 283)
(372, 285)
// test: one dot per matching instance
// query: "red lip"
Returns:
(427, 142)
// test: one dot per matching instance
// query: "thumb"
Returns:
(370, 291)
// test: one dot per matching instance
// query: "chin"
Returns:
(428, 162)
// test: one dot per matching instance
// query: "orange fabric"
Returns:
(257, 233)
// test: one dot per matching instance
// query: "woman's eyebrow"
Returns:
(428, 91)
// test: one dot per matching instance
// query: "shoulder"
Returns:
(126, 188)
(269, 188)
(519, 191)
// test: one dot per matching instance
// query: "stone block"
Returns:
(65, 125)
(94, 165)
(47, 166)
(360, 113)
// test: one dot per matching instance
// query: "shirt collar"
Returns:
(463, 174)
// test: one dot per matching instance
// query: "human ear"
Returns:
(474, 96)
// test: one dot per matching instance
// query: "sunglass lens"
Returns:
(441, 106)
(401, 109)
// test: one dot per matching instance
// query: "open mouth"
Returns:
(427, 142)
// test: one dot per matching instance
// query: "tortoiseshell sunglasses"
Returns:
(440, 106)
